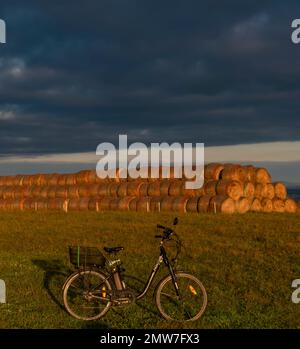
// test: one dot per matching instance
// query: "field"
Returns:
(246, 262)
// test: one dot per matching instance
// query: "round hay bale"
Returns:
(27, 180)
(268, 191)
(192, 204)
(164, 187)
(105, 204)
(9, 180)
(222, 204)
(83, 204)
(134, 188)
(242, 205)
(290, 206)
(250, 173)
(103, 189)
(93, 189)
(298, 206)
(179, 204)
(44, 192)
(124, 203)
(210, 187)
(231, 188)
(233, 172)
(266, 205)
(167, 203)
(155, 204)
(26, 191)
(132, 204)
(203, 203)
(213, 171)
(61, 192)
(70, 179)
(122, 189)
(255, 206)
(197, 192)
(35, 191)
(73, 204)
(278, 205)
(83, 190)
(27, 203)
(262, 176)
(18, 180)
(62, 179)
(258, 190)
(249, 189)
(176, 188)
(280, 190)
(73, 191)
(94, 204)
(82, 177)
(92, 177)
(113, 189)
(154, 188)
(52, 179)
(56, 204)
(18, 192)
(8, 192)
(41, 204)
(143, 204)
(144, 189)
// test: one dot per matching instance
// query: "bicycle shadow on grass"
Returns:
(55, 274)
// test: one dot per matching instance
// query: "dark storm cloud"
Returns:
(75, 74)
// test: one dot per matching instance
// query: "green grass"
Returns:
(247, 264)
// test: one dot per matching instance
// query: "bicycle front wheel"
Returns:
(86, 295)
(189, 305)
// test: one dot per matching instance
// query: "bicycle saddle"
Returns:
(113, 249)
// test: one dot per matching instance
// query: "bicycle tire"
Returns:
(85, 294)
(177, 303)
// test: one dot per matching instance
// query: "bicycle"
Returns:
(97, 284)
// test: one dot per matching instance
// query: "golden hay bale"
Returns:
(61, 192)
(26, 191)
(266, 205)
(94, 204)
(255, 206)
(278, 205)
(83, 190)
(203, 203)
(164, 187)
(105, 203)
(167, 203)
(231, 188)
(73, 191)
(83, 204)
(233, 172)
(154, 188)
(132, 204)
(262, 176)
(213, 171)
(82, 177)
(250, 173)
(18, 192)
(290, 205)
(210, 187)
(179, 204)
(196, 192)
(176, 188)
(192, 204)
(18, 180)
(27, 180)
(222, 204)
(8, 192)
(268, 191)
(249, 189)
(57, 204)
(62, 179)
(35, 191)
(155, 204)
(103, 189)
(280, 190)
(242, 205)
(113, 189)
(124, 203)
(8, 180)
(298, 206)
(93, 189)
(70, 179)
(143, 204)
(122, 189)
(44, 192)
(137, 188)
(92, 177)
(73, 204)
(51, 180)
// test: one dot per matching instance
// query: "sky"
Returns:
(225, 73)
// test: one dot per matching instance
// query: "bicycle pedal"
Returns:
(123, 297)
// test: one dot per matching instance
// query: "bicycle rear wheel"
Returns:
(192, 300)
(86, 295)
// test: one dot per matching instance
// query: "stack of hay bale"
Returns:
(228, 188)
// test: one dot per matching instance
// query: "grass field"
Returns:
(247, 264)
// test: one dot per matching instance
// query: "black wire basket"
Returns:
(81, 256)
